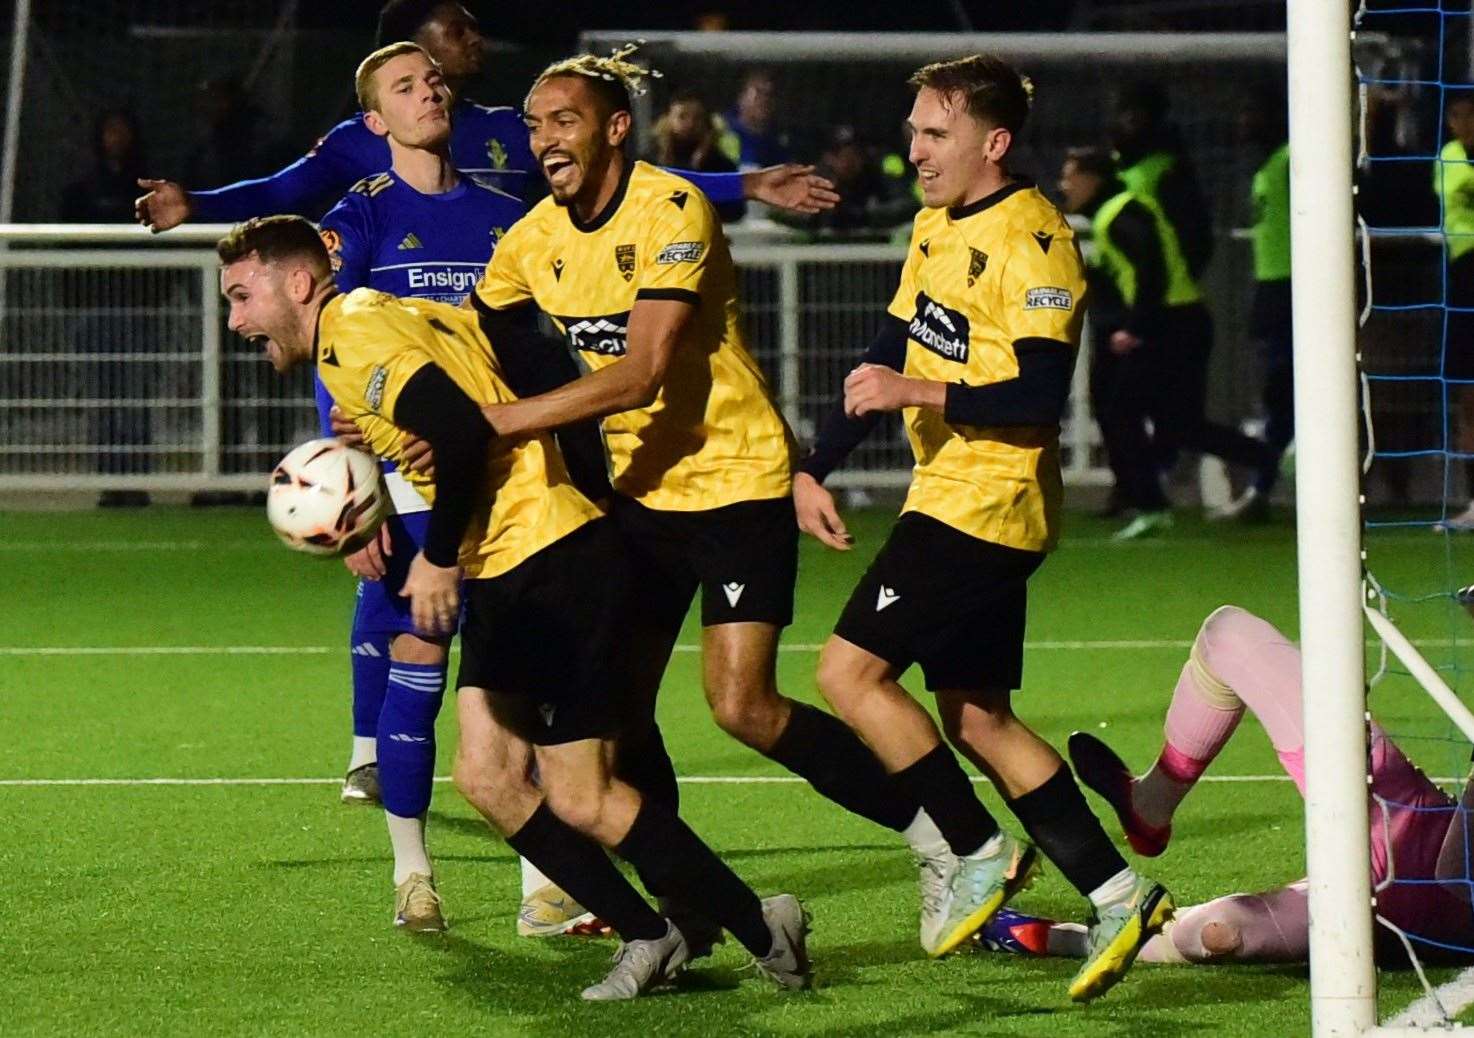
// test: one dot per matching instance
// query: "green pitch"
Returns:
(187, 909)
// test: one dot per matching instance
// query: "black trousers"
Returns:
(1273, 328)
(1165, 380)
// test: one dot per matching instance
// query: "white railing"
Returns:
(116, 370)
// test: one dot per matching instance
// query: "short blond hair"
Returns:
(363, 79)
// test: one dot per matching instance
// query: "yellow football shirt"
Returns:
(976, 280)
(370, 343)
(712, 437)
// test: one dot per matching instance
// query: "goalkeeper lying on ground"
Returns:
(1419, 833)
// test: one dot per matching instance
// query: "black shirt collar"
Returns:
(317, 325)
(962, 212)
(607, 213)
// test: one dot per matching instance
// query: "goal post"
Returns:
(1328, 518)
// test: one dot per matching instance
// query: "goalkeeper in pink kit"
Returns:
(1419, 834)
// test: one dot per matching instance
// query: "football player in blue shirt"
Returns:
(488, 142)
(422, 229)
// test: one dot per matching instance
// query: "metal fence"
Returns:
(117, 371)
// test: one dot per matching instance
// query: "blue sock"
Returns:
(407, 736)
(369, 657)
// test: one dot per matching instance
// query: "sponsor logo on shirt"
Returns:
(681, 252)
(624, 258)
(940, 329)
(373, 395)
(422, 278)
(1048, 297)
(604, 335)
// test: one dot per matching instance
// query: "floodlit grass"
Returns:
(265, 909)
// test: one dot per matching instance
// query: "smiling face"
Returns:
(411, 102)
(263, 311)
(575, 141)
(957, 157)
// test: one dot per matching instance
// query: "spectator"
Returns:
(869, 199)
(1263, 133)
(228, 135)
(1147, 312)
(1453, 182)
(749, 137)
(1152, 161)
(686, 137)
(106, 193)
(118, 427)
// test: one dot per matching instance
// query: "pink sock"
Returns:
(1196, 730)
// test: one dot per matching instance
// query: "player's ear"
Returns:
(300, 284)
(617, 128)
(375, 122)
(996, 143)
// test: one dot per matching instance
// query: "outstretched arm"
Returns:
(329, 169)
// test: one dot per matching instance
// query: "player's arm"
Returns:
(1035, 396)
(787, 186)
(673, 265)
(534, 363)
(1134, 233)
(438, 411)
(330, 168)
(839, 434)
(655, 327)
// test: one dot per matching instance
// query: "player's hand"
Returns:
(792, 187)
(417, 455)
(368, 562)
(347, 433)
(166, 205)
(434, 594)
(817, 515)
(875, 387)
(1123, 342)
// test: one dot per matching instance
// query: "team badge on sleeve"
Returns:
(624, 257)
(373, 393)
(1048, 297)
(333, 242)
(681, 252)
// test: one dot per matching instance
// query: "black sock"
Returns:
(645, 764)
(664, 848)
(938, 783)
(834, 760)
(1060, 822)
(1469, 478)
(581, 868)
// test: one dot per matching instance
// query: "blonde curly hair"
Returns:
(614, 79)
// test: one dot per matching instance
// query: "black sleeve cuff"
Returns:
(678, 295)
(434, 408)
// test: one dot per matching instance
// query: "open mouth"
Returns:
(555, 165)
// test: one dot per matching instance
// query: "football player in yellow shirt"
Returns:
(630, 263)
(977, 357)
(545, 590)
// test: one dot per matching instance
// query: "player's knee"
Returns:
(1221, 937)
(976, 724)
(840, 682)
(744, 711)
(486, 780)
(580, 807)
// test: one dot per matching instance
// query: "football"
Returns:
(326, 499)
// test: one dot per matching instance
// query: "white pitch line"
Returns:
(1454, 997)
(685, 780)
(1127, 644)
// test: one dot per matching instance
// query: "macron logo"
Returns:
(886, 597)
(733, 591)
(547, 710)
